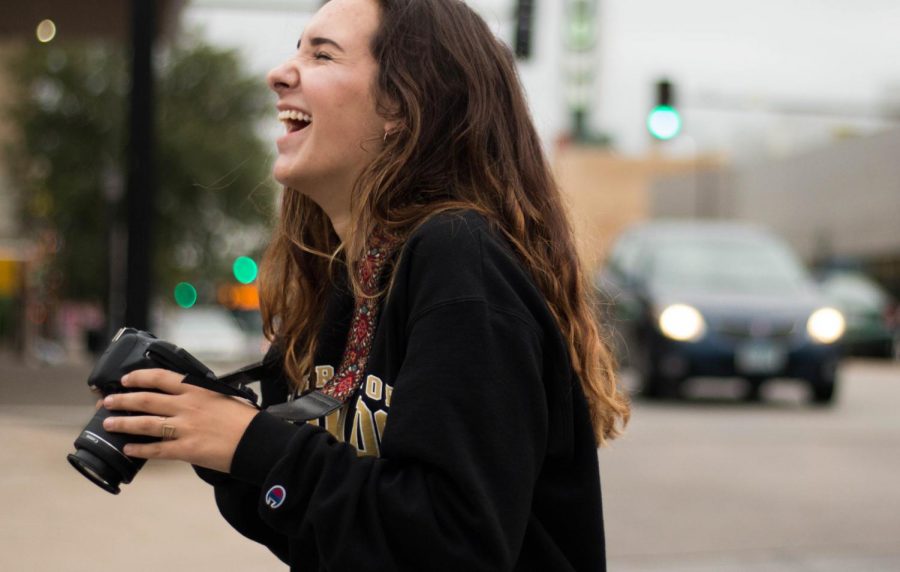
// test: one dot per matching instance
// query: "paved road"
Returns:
(715, 484)
(706, 485)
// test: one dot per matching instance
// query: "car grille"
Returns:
(756, 327)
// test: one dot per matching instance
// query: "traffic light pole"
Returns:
(524, 28)
(141, 185)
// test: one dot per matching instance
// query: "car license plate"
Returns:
(759, 357)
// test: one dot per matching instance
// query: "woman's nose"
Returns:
(283, 77)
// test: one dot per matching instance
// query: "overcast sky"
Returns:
(737, 65)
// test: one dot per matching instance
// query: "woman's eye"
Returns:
(321, 56)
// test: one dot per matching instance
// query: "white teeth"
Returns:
(294, 115)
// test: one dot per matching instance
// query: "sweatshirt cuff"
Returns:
(261, 447)
(210, 476)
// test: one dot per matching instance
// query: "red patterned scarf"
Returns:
(370, 272)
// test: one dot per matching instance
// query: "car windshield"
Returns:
(856, 290)
(734, 265)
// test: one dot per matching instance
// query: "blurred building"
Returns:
(606, 191)
(835, 203)
(47, 21)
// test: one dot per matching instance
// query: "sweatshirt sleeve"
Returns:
(236, 501)
(461, 451)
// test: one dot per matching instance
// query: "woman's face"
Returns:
(326, 101)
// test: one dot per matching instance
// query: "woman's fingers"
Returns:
(160, 379)
(149, 425)
(157, 450)
(142, 402)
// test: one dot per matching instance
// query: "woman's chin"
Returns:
(286, 174)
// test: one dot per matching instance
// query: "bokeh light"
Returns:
(245, 269)
(46, 31)
(185, 294)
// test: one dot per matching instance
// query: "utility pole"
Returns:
(141, 185)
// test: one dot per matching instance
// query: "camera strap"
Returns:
(216, 385)
(306, 407)
(309, 406)
(235, 383)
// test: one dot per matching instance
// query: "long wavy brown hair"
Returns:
(465, 140)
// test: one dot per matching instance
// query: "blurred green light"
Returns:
(185, 295)
(245, 269)
(664, 122)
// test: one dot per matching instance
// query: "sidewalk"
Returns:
(53, 519)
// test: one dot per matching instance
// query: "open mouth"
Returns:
(294, 120)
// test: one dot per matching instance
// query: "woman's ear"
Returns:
(391, 126)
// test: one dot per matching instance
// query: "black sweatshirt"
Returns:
(467, 447)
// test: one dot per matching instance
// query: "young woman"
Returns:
(422, 288)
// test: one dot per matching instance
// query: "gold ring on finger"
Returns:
(168, 432)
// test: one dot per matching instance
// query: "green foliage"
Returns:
(214, 193)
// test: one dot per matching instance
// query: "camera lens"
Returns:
(99, 457)
(93, 467)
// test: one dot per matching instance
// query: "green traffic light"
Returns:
(664, 122)
(185, 294)
(245, 269)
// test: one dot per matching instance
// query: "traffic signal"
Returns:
(664, 120)
(244, 269)
(524, 25)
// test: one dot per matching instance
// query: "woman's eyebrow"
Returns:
(318, 41)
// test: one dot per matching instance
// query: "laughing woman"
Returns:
(425, 300)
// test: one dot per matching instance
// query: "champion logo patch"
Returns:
(275, 496)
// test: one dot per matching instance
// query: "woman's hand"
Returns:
(201, 427)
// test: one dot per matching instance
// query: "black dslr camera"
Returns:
(98, 454)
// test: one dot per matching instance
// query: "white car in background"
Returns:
(213, 335)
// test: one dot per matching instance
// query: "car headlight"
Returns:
(826, 325)
(682, 323)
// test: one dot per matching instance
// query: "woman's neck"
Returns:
(341, 223)
(334, 199)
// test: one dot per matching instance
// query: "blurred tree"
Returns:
(215, 196)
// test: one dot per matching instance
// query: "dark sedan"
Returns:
(717, 299)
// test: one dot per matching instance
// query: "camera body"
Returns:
(99, 454)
